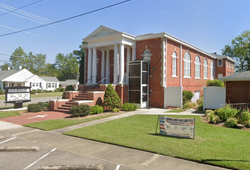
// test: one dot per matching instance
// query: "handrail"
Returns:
(96, 84)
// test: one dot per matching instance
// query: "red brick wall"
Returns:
(237, 91)
(156, 98)
(221, 69)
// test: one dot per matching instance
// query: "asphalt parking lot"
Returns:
(45, 156)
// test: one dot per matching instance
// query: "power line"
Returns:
(20, 8)
(99, 9)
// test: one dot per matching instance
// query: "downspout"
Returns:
(181, 74)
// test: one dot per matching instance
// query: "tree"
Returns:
(18, 58)
(5, 66)
(80, 56)
(111, 98)
(240, 51)
(67, 66)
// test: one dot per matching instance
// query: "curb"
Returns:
(19, 149)
(72, 167)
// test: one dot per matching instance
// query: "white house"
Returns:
(35, 82)
(50, 83)
(14, 77)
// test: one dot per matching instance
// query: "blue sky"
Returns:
(207, 24)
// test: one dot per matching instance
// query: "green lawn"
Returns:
(60, 123)
(54, 94)
(213, 145)
(8, 113)
(175, 111)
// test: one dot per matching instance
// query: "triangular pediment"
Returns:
(101, 31)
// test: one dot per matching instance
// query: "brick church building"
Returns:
(140, 67)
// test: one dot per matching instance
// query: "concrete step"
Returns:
(64, 108)
(80, 98)
(71, 103)
(67, 105)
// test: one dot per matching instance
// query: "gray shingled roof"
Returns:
(50, 79)
(68, 82)
(243, 76)
(222, 56)
(6, 73)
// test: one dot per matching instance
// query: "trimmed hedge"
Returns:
(81, 110)
(96, 109)
(187, 96)
(129, 107)
(36, 107)
(215, 83)
(1, 92)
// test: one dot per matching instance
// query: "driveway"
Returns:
(33, 100)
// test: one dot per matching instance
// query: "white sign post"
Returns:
(180, 127)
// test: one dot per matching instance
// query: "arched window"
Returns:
(205, 69)
(187, 61)
(197, 67)
(146, 55)
(212, 70)
(174, 64)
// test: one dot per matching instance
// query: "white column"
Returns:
(128, 59)
(115, 63)
(107, 66)
(94, 73)
(103, 66)
(121, 76)
(89, 65)
(133, 53)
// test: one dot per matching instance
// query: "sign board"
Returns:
(177, 127)
(17, 94)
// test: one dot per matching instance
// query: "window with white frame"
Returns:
(49, 85)
(187, 61)
(220, 62)
(33, 84)
(174, 64)
(212, 70)
(197, 67)
(205, 69)
(53, 84)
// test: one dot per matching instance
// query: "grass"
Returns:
(10, 107)
(52, 94)
(8, 113)
(213, 145)
(175, 111)
(60, 123)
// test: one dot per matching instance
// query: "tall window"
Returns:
(187, 61)
(212, 70)
(174, 74)
(197, 67)
(205, 69)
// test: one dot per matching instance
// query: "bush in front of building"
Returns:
(129, 107)
(36, 107)
(1, 92)
(226, 112)
(187, 96)
(215, 83)
(111, 99)
(243, 117)
(80, 111)
(60, 89)
(231, 123)
(115, 110)
(33, 92)
(96, 109)
(200, 103)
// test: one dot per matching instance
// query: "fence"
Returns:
(213, 97)
(195, 97)
(173, 96)
(238, 106)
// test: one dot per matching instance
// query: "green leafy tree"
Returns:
(240, 51)
(18, 58)
(50, 70)
(111, 98)
(80, 56)
(5, 66)
(67, 66)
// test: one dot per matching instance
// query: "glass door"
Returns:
(144, 84)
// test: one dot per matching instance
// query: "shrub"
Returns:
(231, 122)
(45, 91)
(208, 112)
(33, 92)
(244, 117)
(59, 89)
(200, 101)
(211, 117)
(50, 91)
(39, 90)
(189, 105)
(1, 92)
(46, 105)
(129, 107)
(116, 110)
(69, 88)
(81, 110)
(215, 83)
(96, 109)
(226, 112)
(111, 98)
(200, 107)
(187, 96)
(36, 107)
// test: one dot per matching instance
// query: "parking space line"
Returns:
(117, 167)
(7, 140)
(39, 159)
